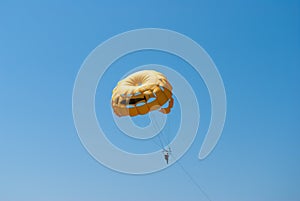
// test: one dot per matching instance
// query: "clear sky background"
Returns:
(256, 47)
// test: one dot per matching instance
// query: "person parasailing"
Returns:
(167, 153)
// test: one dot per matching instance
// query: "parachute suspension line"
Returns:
(164, 135)
(165, 138)
(157, 129)
(157, 144)
(191, 178)
(161, 138)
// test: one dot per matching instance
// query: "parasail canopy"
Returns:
(142, 92)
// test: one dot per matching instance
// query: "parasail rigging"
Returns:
(142, 92)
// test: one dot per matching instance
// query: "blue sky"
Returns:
(255, 46)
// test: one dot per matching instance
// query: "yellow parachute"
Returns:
(142, 92)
